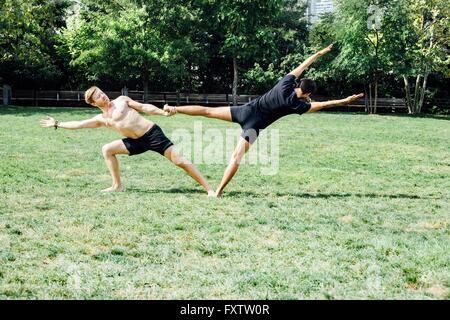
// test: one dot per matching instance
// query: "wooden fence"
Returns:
(34, 97)
(76, 98)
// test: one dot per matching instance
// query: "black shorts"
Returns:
(153, 140)
(249, 121)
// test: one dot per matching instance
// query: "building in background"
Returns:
(317, 7)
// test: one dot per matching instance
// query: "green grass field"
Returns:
(360, 209)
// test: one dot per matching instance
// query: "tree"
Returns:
(386, 42)
(361, 38)
(246, 26)
(322, 34)
(28, 34)
(131, 40)
(123, 47)
(426, 47)
(269, 63)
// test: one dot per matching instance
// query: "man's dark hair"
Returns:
(308, 86)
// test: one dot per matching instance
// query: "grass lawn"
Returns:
(360, 208)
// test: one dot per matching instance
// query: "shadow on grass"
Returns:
(246, 194)
(162, 191)
(242, 194)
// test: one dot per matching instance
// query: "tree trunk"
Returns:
(422, 94)
(408, 94)
(376, 97)
(416, 94)
(373, 97)
(235, 80)
(145, 81)
(425, 74)
(366, 100)
(376, 73)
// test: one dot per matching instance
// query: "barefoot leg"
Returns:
(242, 147)
(189, 168)
(109, 153)
(221, 113)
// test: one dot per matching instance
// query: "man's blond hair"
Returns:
(88, 95)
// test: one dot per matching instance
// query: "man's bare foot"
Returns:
(219, 194)
(114, 189)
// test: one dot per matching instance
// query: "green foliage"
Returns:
(189, 45)
(324, 71)
(287, 33)
(125, 45)
(359, 45)
(28, 31)
(400, 46)
(259, 80)
(139, 41)
(244, 31)
(431, 22)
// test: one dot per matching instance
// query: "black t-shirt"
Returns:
(280, 101)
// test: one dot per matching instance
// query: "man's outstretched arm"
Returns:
(146, 108)
(299, 70)
(72, 125)
(316, 106)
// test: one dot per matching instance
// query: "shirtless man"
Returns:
(284, 99)
(122, 115)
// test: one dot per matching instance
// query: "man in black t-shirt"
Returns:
(284, 99)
